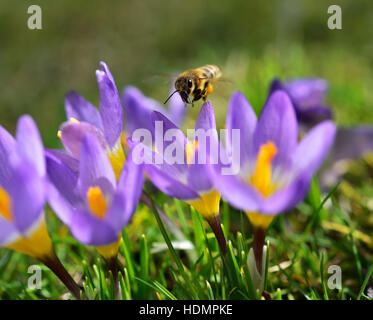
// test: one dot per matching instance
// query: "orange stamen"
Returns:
(96, 201)
(261, 178)
(5, 205)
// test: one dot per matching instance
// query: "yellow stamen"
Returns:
(96, 201)
(5, 204)
(117, 157)
(208, 204)
(73, 120)
(190, 150)
(59, 132)
(261, 180)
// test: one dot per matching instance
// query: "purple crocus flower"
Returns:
(186, 179)
(275, 169)
(23, 193)
(138, 109)
(106, 124)
(91, 202)
(308, 96)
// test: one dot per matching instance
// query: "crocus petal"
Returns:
(352, 142)
(95, 167)
(314, 115)
(62, 190)
(7, 147)
(29, 143)
(130, 184)
(285, 199)
(313, 149)
(110, 105)
(241, 116)
(138, 110)
(178, 141)
(80, 109)
(90, 230)
(239, 194)
(8, 232)
(72, 135)
(28, 193)
(307, 92)
(167, 184)
(63, 157)
(278, 124)
(177, 109)
(307, 96)
(198, 178)
(206, 117)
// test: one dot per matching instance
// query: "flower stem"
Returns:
(215, 225)
(259, 236)
(53, 263)
(113, 267)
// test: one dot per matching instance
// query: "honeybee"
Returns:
(194, 84)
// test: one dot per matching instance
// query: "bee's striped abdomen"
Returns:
(210, 71)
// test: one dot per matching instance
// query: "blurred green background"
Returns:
(252, 41)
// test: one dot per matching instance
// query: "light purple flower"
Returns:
(308, 98)
(138, 109)
(106, 125)
(91, 202)
(275, 169)
(23, 191)
(186, 179)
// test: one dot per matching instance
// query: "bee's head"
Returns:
(184, 85)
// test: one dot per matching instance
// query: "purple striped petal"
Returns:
(278, 124)
(72, 135)
(241, 116)
(63, 157)
(198, 178)
(352, 142)
(7, 147)
(28, 193)
(313, 149)
(285, 199)
(239, 194)
(137, 110)
(110, 105)
(80, 109)
(63, 195)
(7, 231)
(29, 143)
(95, 167)
(307, 92)
(130, 184)
(90, 230)
(176, 108)
(168, 137)
(167, 184)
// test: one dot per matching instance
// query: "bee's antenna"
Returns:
(169, 97)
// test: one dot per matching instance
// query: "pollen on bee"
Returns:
(210, 89)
